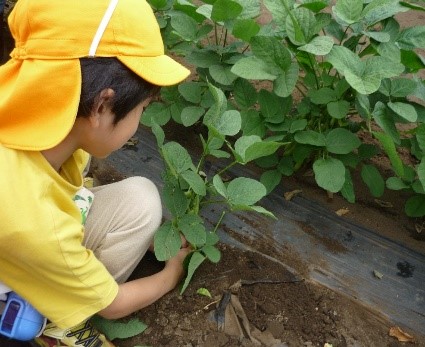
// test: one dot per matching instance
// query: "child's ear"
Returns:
(102, 105)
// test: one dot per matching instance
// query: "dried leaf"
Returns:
(400, 335)
(88, 182)
(289, 195)
(385, 204)
(419, 228)
(342, 211)
(132, 142)
(236, 286)
(377, 274)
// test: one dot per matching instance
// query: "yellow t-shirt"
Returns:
(41, 253)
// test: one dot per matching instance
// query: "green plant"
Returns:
(320, 85)
(187, 188)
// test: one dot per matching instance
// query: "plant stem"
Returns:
(225, 38)
(219, 221)
(226, 168)
(314, 70)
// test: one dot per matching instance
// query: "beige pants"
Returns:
(121, 224)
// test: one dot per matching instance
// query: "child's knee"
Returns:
(145, 201)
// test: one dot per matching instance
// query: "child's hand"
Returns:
(184, 241)
(175, 265)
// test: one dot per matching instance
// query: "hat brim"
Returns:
(35, 95)
(160, 70)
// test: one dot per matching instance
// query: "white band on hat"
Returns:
(102, 27)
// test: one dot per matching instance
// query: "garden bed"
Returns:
(331, 263)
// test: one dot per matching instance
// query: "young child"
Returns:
(76, 85)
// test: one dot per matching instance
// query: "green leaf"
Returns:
(167, 242)
(228, 124)
(245, 29)
(212, 238)
(114, 329)
(269, 104)
(385, 121)
(300, 26)
(402, 87)
(348, 10)
(204, 292)
(220, 186)
(329, 174)
(363, 76)
(191, 91)
(175, 200)
(286, 81)
(196, 259)
(262, 210)
(343, 60)
(415, 206)
(203, 58)
(310, 137)
(249, 148)
(320, 45)
(389, 148)
(322, 96)
(396, 183)
(252, 123)
(270, 179)
(244, 93)
(191, 114)
(222, 74)
(420, 136)
(338, 109)
(373, 180)
(412, 38)
(225, 9)
(314, 5)
(252, 68)
(185, 26)
(341, 141)
(271, 51)
(297, 125)
(421, 172)
(205, 10)
(412, 6)
(159, 134)
(157, 113)
(212, 253)
(347, 190)
(404, 110)
(279, 9)
(286, 166)
(378, 10)
(177, 157)
(251, 8)
(245, 191)
(195, 182)
(378, 36)
(158, 4)
(193, 229)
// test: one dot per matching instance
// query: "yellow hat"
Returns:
(40, 85)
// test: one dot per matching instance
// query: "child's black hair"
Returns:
(103, 73)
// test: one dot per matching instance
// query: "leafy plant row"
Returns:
(356, 76)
